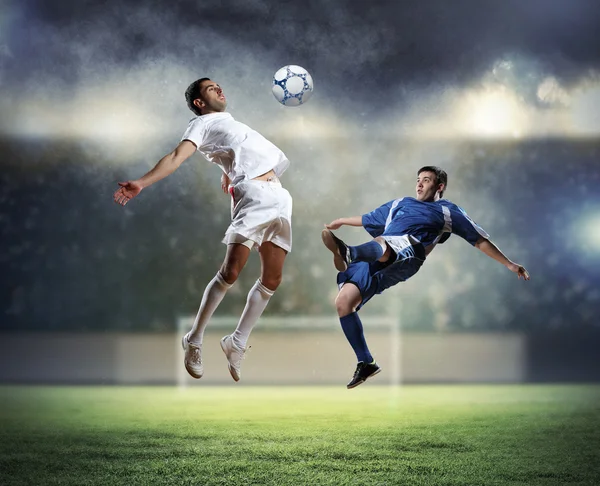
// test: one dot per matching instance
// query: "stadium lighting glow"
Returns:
(550, 91)
(586, 110)
(112, 120)
(492, 113)
(490, 110)
(308, 125)
(594, 229)
(589, 226)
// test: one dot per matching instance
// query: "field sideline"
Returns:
(372, 435)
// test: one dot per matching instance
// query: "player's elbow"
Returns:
(480, 242)
(175, 159)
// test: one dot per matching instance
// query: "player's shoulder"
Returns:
(204, 120)
(196, 121)
(452, 206)
(447, 203)
(404, 200)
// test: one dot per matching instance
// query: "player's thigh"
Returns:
(235, 260)
(348, 298)
(272, 258)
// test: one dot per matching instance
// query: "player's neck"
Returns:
(212, 112)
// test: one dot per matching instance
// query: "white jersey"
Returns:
(242, 153)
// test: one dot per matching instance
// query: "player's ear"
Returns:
(199, 103)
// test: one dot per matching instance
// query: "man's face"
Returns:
(427, 186)
(212, 99)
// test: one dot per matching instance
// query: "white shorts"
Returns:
(260, 211)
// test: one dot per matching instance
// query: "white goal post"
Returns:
(388, 325)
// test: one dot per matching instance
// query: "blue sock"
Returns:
(353, 330)
(367, 252)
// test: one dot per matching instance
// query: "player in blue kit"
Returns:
(404, 232)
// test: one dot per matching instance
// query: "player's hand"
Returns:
(335, 224)
(519, 270)
(127, 192)
(225, 181)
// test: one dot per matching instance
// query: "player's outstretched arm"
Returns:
(165, 166)
(351, 221)
(491, 250)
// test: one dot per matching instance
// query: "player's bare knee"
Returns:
(230, 273)
(343, 305)
(271, 281)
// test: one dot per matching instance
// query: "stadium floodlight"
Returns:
(588, 226)
(492, 113)
(594, 231)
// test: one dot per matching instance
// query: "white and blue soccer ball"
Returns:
(292, 85)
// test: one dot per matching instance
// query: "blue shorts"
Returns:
(374, 277)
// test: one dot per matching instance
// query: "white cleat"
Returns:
(235, 355)
(193, 357)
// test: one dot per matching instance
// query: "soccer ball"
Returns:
(292, 85)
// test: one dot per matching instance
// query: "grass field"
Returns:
(415, 435)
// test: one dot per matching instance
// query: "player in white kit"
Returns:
(261, 213)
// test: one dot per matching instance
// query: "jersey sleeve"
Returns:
(195, 132)
(465, 227)
(374, 222)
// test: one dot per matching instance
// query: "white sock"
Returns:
(213, 295)
(257, 300)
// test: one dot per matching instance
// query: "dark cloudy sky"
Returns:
(374, 59)
(399, 40)
(359, 52)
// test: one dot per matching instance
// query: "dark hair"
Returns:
(440, 175)
(193, 93)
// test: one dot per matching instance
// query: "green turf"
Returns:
(416, 435)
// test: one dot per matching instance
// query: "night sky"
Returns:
(505, 95)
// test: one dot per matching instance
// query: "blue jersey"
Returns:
(427, 223)
(410, 227)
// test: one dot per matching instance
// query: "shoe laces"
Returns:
(195, 353)
(238, 354)
(196, 356)
(359, 368)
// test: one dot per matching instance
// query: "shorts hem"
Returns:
(230, 238)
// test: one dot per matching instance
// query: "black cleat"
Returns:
(341, 252)
(363, 372)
